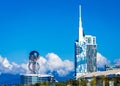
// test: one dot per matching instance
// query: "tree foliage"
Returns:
(4, 85)
(60, 83)
(93, 81)
(118, 80)
(83, 82)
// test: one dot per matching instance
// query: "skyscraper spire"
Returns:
(80, 36)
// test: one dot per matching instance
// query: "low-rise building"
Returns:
(110, 77)
(112, 67)
(27, 79)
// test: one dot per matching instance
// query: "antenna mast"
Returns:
(80, 26)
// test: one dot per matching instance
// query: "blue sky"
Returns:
(52, 26)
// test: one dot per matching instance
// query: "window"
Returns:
(94, 41)
(89, 40)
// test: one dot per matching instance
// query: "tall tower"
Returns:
(85, 51)
(80, 50)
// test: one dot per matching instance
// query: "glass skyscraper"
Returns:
(85, 52)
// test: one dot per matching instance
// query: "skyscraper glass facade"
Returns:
(91, 53)
(85, 55)
(80, 58)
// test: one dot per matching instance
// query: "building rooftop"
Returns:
(100, 73)
(39, 75)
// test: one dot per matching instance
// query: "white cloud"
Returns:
(101, 61)
(56, 64)
(1, 59)
(6, 64)
(15, 65)
(51, 63)
(10, 67)
(117, 61)
(43, 65)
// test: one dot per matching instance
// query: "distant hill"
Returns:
(63, 78)
(7, 78)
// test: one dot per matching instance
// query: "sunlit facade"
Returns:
(85, 55)
(80, 58)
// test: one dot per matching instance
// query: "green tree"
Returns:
(102, 80)
(83, 82)
(41, 83)
(28, 85)
(60, 84)
(47, 83)
(37, 84)
(4, 85)
(75, 83)
(118, 80)
(93, 81)
(72, 82)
